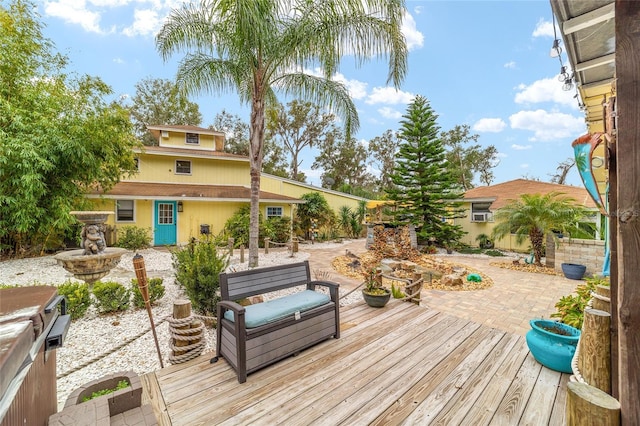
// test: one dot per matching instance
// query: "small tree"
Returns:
(314, 213)
(424, 187)
(534, 216)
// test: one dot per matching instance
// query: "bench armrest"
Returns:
(333, 288)
(238, 313)
(231, 306)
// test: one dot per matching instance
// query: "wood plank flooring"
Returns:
(401, 364)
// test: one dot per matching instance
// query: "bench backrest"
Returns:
(238, 285)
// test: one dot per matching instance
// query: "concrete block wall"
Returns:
(572, 250)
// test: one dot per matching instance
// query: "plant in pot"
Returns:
(374, 293)
(484, 241)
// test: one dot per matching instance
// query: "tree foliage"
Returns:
(314, 213)
(236, 131)
(562, 171)
(259, 47)
(534, 216)
(344, 162)
(383, 149)
(159, 102)
(298, 126)
(467, 160)
(424, 187)
(59, 138)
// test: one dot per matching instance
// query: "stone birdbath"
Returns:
(94, 260)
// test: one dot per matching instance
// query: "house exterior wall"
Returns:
(162, 168)
(178, 140)
(291, 189)
(573, 250)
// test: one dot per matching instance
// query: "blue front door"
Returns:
(165, 223)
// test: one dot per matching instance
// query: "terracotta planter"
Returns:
(551, 349)
(375, 300)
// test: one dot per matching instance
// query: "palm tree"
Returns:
(534, 216)
(260, 47)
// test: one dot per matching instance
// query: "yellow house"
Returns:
(482, 202)
(188, 185)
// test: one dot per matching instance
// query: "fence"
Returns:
(573, 250)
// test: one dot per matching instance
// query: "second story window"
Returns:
(183, 167)
(193, 139)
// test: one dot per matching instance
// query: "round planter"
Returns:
(573, 271)
(376, 300)
(550, 349)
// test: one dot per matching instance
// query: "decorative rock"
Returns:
(435, 274)
(458, 270)
(451, 280)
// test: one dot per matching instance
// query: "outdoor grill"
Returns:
(33, 323)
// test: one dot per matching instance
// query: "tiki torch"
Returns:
(141, 274)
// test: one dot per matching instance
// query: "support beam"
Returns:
(589, 19)
(596, 62)
(627, 214)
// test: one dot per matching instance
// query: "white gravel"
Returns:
(89, 350)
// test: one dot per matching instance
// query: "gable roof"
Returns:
(150, 190)
(501, 193)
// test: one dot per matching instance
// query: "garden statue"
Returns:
(93, 239)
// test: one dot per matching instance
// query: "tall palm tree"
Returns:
(260, 47)
(534, 216)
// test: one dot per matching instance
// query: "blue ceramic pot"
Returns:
(573, 271)
(550, 349)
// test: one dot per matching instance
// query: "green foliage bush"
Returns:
(133, 238)
(278, 229)
(156, 291)
(110, 296)
(198, 267)
(570, 309)
(78, 298)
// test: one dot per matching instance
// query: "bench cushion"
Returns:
(273, 310)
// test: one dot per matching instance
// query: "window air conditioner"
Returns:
(480, 217)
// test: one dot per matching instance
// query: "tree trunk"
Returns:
(255, 156)
(536, 244)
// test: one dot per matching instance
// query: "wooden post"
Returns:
(594, 361)
(587, 404)
(627, 213)
(181, 309)
(242, 253)
(416, 286)
(602, 299)
(230, 243)
(294, 245)
(266, 245)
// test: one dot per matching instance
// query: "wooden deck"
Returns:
(401, 364)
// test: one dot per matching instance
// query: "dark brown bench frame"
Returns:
(248, 350)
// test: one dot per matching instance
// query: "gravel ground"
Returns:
(91, 349)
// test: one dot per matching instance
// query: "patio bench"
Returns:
(254, 336)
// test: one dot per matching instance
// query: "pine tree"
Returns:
(425, 188)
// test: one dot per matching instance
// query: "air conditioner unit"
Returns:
(480, 217)
(165, 134)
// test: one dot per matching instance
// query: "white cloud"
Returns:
(74, 12)
(357, 89)
(524, 166)
(118, 60)
(492, 125)
(521, 147)
(389, 95)
(544, 29)
(510, 65)
(545, 90)
(548, 125)
(413, 37)
(501, 155)
(387, 112)
(418, 10)
(145, 22)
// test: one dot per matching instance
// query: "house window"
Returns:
(136, 161)
(274, 212)
(124, 210)
(183, 167)
(480, 212)
(193, 139)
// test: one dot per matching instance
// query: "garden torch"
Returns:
(141, 274)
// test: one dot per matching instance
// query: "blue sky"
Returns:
(481, 63)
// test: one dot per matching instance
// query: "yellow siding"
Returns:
(277, 186)
(473, 229)
(178, 140)
(160, 168)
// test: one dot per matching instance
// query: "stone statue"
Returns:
(93, 239)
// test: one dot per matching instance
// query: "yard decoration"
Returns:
(374, 293)
(553, 344)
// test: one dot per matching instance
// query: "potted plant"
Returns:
(573, 271)
(374, 293)
(553, 343)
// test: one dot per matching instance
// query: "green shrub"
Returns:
(78, 298)
(494, 253)
(278, 229)
(156, 291)
(133, 238)
(570, 309)
(110, 296)
(198, 267)
(121, 385)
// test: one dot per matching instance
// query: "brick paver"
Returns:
(515, 297)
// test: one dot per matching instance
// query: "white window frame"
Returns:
(133, 211)
(481, 215)
(187, 137)
(184, 173)
(274, 215)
